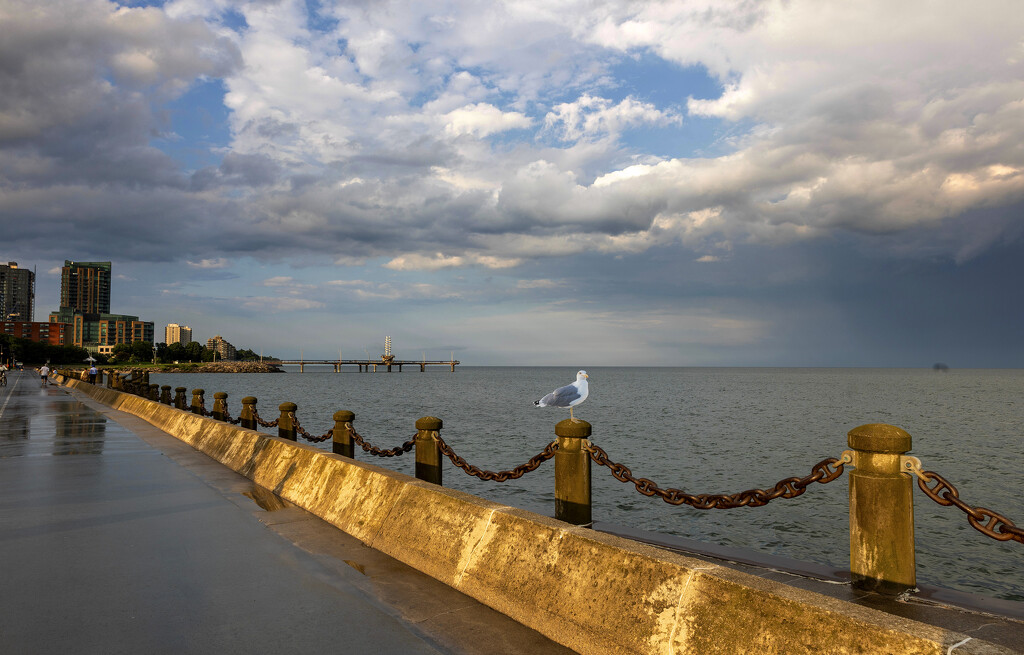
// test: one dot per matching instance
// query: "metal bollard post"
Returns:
(248, 415)
(286, 424)
(220, 406)
(881, 511)
(572, 473)
(197, 401)
(341, 443)
(154, 392)
(428, 453)
(165, 394)
(179, 397)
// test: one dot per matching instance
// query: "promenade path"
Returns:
(117, 538)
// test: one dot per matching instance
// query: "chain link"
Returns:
(305, 435)
(787, 488)
(497, 476)
(379, 452)
(982, 519)
(267, 424)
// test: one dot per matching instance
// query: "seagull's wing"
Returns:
(561, 397)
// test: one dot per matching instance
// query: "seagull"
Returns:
(568, 396)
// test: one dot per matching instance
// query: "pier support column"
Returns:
(341, 441)
(572, 473)
(428, 453)
(248, 415)
(198, 401)
(286, 423)
(881, 511)
(220, 406)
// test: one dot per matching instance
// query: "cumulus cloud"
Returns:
(591, 116)
(483, 120)
(456, 135)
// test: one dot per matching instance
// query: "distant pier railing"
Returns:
(881, 511)
(366, 365)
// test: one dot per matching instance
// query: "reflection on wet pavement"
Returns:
(43, 421)
(265, 498)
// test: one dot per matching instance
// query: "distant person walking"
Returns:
(92, 375)
(44, 373)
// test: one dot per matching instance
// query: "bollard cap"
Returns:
(181, 389)
(220, 395)
(429, 423)
(288, 407)
(249, 400)
(878, 438)
(166, 386)
(575, 429)
(344, 416)
(198, 392)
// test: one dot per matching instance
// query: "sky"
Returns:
(567, 182)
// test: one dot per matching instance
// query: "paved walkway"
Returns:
(117, 538)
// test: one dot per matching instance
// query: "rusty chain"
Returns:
(267, 424)
(787, 488)
(982, 519)
(498, 476)
(379, 452)
(307, 436)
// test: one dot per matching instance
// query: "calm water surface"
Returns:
(706, 430)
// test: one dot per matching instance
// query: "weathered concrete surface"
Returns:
(592, 592)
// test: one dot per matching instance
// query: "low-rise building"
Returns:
(55, 334)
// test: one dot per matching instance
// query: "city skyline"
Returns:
(519, 183)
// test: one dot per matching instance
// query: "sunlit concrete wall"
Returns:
(592, 592)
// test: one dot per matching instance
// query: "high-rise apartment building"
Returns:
(17, 293)
(223, 349)
(175, 333)
(85, 287)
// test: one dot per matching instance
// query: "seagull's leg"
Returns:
(573, 418)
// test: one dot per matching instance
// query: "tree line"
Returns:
(14, 349)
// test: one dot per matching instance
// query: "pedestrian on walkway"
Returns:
(44, 373)
(92, 374)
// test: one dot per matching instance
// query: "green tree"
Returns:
(122, 352)
(142, 351)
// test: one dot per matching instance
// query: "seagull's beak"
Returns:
(586, 376)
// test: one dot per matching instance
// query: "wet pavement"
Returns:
(117, 538)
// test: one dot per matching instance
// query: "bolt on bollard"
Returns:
(179, 397)
(428, 452)
(572, 473)
(286, 424)
(341, 441)
(881, 511)
(220, 406)
(165, 394)
(248, 415)
(197, 401)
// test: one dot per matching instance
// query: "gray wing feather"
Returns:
(561, 397)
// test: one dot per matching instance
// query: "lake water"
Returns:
(706, 430)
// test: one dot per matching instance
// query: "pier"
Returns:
(366, 365)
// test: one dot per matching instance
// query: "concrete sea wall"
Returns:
(592, 592)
